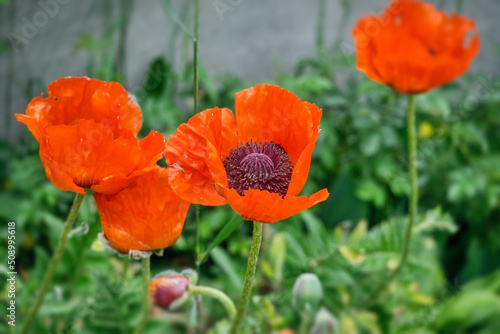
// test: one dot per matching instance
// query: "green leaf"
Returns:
(466, 183)
(157, 77)
(278, 256)
(469, 310)
(371, 191)
(435, 220)
(59, 307)
(56, 225)
(434, 103)
(222, 259)
(315, 227)
(343, 204)
(223, 235)
(297, 252)
(336, 278)
(370, 144)
(400, 185)
(314, 84)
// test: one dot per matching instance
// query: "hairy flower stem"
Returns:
(216, 294)
(10, 75)
(413, 201)
(195, 54)
(126, 262)
(320, 28)
(146, 261)
(412, 148)
(249, 277)
(305, 323)
(68, 224)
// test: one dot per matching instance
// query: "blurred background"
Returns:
(451, 283)
(254, 40)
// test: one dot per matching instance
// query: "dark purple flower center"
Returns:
(257, 163)
(259, 166)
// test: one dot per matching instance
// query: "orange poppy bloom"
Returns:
(414, 47)
(257, 161)
(87, 131)
(145, 216)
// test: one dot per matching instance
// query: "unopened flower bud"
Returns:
(307, 293)
(286, 331)
(164, 291)
(191, 275)
(325, 323)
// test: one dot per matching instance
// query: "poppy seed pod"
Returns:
(307, 293)
(164, 291)
(325, 323)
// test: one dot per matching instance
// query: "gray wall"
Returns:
(248, 39)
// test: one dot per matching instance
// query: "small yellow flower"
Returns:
(426, 130)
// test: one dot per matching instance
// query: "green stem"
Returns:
(126, 262)
(412, 148)
(343, 24)
(126, 7)
(305, 323)
(68, 224)
(413, 201)
(249, 276)
(195, 56)
(10, 76)
(146, 261)
(216, 294)
(320, 28)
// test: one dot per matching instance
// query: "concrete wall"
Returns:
(247, 39)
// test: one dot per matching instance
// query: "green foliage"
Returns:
(351, 241)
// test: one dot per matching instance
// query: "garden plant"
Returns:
(359, 194)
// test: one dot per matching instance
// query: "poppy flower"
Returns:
(145, 216)
(414, 47)
(87, 131)
(257, 161)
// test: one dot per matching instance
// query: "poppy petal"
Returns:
(185, 154)
(147, 215)
(33, 125)
(71, 99)
(216, 166)
(151, 148)
(91, 157)
(59, 178)
(266, 207)
(301, 167)
(267, 113)
(87, 131)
